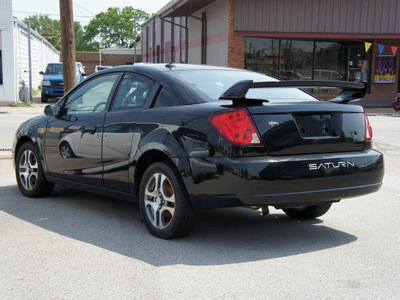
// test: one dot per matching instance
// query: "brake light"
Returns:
(236, 126)
(368, 128)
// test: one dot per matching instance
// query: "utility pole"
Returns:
(134, 42)
(30, 63)
(68, 56)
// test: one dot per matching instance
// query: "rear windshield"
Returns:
(213, 83)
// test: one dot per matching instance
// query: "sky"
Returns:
(84, 10)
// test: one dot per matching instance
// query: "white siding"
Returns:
(7, 91)
(42, 53)
(15, 56)
(5, 14)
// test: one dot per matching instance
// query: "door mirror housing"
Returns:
(52, 110)
(41, 73)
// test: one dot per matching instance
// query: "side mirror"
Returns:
(83, 74)
(52, 110)
(41, 73)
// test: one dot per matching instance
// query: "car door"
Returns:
(73, 142)
(120, 135)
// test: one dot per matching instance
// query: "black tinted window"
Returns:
(132, 92)
(214, 83)
(91, 97)
(166, 99)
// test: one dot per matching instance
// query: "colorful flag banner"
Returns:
(394, 50)
(381, 47)
(367, 46)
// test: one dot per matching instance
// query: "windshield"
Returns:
(213, 83)
(58, 69)
(54, 69)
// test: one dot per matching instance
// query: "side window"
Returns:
(166, 99)
(132, 92)
(91, 97)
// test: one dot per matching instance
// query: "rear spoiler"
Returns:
(350, 90)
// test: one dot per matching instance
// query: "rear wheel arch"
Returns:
(152, 156)
(145, 160)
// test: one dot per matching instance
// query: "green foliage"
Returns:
(80, 43)
(48, 28)
(115, 26)
(21, 104)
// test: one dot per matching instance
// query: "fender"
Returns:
(164, 142)
(35, 131)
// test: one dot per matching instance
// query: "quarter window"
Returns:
(166, 99)
(132, 92)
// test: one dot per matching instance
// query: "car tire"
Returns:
(308, 212)
(44, 98)
(29, 172)
(164, 202)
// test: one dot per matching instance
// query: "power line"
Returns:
(77, 7)
(36, 13)
(76, 4)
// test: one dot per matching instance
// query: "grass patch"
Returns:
(23, 104)
(36, 92)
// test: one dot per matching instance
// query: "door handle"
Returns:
(91, 129)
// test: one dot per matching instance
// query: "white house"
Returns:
(14, 55)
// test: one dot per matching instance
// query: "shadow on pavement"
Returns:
(220, 237)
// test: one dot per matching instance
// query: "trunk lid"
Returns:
(309, 127)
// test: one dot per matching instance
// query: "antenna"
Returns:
(170, 66)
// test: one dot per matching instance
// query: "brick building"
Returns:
(353, 40)
(115, 56)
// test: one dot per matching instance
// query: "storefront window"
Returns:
(330, 61)
(358, 63)
(262, 55)
(308, 60)
(296, 60)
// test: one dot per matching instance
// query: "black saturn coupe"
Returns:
(178, 138)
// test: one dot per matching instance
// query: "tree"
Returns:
(51, 30)
(48, 28)
(81, 44)
(116, 26)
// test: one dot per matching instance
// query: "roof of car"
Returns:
(173, 66)
(170, 67)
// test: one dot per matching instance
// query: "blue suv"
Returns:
(53, 82)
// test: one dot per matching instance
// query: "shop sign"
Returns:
(385, 69)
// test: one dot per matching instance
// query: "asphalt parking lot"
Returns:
(76, 245)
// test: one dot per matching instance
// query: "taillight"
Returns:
(368, 128)
(236, 126)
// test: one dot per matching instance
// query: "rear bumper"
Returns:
(283, 181)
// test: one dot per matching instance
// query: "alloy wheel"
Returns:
(159, 201)
(28, 170)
